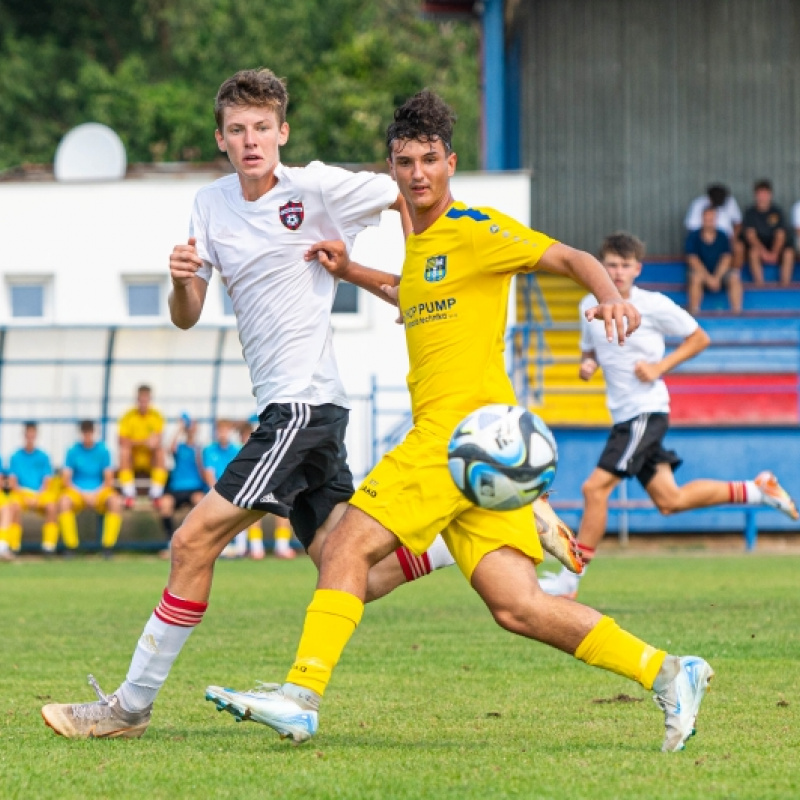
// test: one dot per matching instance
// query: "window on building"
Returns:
(346, 301)
(27, 299)
(144, 298)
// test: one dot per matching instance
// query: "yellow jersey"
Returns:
(453, 297)
(140, 427)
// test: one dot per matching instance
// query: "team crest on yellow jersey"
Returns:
(435, 269)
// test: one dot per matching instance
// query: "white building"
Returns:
(84, 320)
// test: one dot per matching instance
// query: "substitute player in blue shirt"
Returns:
(30, 479)
(88, 482)
(186, 485)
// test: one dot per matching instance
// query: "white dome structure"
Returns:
(90, 152)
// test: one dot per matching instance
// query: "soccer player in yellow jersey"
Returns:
(141, 448)
(453, 298)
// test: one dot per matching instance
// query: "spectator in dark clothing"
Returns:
(767, 237)
(710, 266)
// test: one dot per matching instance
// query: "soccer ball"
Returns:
(502, 457)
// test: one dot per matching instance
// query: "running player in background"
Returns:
(453, 297)
(88, 481)
(31, 484)
(140, 447)
(638, 400)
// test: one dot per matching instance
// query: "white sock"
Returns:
(438, 555)
(755, 497)
(155, 652)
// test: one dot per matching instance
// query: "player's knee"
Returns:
(513, 617)
(667, 505)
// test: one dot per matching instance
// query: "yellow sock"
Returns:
(330, 621)
(609, 647)
(254, 533)
(158, 480)
(69, 529)
(112, 523)
(49, 536)
(127, 482)
(15, 536)
(283, 533)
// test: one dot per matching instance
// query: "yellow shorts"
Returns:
(30, 500)
(411, 493)
(142, 457)
(80, 497)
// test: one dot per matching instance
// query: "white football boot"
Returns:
(269, 705)
(680, 701)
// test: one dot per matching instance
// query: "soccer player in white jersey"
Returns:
(256, 227)
(638, 400)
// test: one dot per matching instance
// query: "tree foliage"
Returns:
(150, 69)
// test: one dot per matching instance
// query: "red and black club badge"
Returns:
(292, 215)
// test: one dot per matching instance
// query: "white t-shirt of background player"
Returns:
(796, 217)
(728, 214)
(282, 302)
(626, 395)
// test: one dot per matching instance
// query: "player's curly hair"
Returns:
(252, 87)
(622, 244)
(424, 117)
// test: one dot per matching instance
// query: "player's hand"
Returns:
(618, 316)
(587, 369)
(331, 254)
(184, 262)
(392, 293)
(646, 372)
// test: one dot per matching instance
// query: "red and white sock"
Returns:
(437, 556)
(166, 632)
(744, 493)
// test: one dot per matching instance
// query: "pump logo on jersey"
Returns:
(435, 269)
(292, 215)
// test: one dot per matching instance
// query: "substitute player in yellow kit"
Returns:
(453, 298)
(141, 448)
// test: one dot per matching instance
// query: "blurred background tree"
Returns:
(150, 69)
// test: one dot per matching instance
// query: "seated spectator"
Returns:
(766, 236)
(708, 257)
(88, 481)
(30, 479)
(140, 447)
(729, 217)
(6, 552)
(186, 486)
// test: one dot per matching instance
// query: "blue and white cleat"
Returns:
(680, 701)
(268, 705)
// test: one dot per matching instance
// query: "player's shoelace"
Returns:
(94, 710)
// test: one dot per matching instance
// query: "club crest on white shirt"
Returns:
(292, 215)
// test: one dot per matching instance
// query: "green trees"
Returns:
(150, 70)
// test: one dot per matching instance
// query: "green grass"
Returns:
(431, 699)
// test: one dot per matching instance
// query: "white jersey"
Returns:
(282, 302)
(796, 217)
(626, 395)
(728, 214)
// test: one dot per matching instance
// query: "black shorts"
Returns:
(184, 498)
(634, 448)
(293, 465)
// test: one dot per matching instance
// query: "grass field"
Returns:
(431, 699)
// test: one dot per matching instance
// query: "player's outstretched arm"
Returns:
(693, 344)
(332, 255)
(620, 317)
(188, 291)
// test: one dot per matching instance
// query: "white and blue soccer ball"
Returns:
(502, 457)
